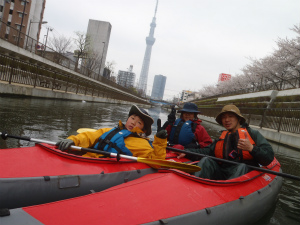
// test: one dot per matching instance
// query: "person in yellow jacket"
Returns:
(129, 139)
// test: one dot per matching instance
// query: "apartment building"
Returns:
(20, 18)
(126, 78)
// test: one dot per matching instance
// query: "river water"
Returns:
(57, 119)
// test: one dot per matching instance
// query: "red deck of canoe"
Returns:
(151, 198)
(40, 161)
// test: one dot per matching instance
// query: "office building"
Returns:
(98, 33)
(158, 88)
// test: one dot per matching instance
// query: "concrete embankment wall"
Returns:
(39, 92)
(285, 138)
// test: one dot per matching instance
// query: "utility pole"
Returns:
(47, 38)
(21, 21)
(28, 34)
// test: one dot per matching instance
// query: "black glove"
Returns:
(159, 128)
(172, 116)
(163, 134)
(64, 144)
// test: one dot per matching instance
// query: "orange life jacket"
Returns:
(222, 152)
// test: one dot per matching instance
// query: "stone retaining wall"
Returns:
(39, 92)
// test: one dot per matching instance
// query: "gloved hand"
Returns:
(172, 116)
(64, 144)
(163, 134)
(159, 128)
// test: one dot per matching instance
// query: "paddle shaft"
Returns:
(73, 147)
(236, 163)
(157, 162)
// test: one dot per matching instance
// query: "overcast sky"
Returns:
(196, 40)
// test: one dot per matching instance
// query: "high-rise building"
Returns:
(126, 78)
(98, 33)
(142, 86)
(26, 17)
(158, 88)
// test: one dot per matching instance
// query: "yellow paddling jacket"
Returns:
(137, 143)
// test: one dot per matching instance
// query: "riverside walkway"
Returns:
(24, 70)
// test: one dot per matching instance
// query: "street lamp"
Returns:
(47, 38)
(101, 57)
(28, 34)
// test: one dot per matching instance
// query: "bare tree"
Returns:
(82, 43)
(110, 65)
(90, 63)
(109, 69)
(61, 45)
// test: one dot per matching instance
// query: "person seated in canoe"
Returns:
(186, 131)
(239, 143)
(128, 139)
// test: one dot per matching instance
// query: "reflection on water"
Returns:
(288, 205)
(57, 119)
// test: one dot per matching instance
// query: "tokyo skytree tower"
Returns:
(145, 68)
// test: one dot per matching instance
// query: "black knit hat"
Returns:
(144, 115)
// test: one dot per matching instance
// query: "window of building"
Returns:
(10, 11)
(8, 23)
(6, 36)
(1, 8)
(18, 26)
(20, 15)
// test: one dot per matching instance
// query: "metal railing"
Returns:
(24, 41)
(287, 120)
(14, 70)
(284, 85)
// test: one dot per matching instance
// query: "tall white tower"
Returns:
(142, 86)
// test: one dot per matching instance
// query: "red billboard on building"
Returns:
(224, 77)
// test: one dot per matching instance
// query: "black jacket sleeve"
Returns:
(262, 151)
(208, 150)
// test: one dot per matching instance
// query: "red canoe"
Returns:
(40, 174)
(168, 197)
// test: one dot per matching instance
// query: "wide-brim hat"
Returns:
(144, 115)
(189, 107)
(233, 109)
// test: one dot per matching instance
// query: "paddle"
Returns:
(157, 162)
(236, 163)
(80, 130)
